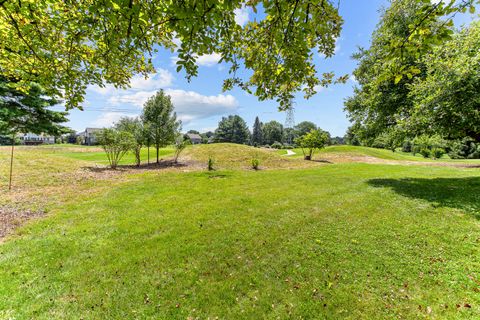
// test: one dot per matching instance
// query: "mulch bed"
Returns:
(11, 218)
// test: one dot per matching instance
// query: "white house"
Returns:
(88, 136)
(194, 138)
(34, 139)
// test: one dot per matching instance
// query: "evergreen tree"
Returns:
(257, 134)
(23, 112)
(232, 129)
(161, 120)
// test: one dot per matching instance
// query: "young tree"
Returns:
(257, 134)
(23, 112)
(232, 129)
(116, 144)
(161, 120)
(180, 145)
(312, 141)
(136, 128)
(272, 132)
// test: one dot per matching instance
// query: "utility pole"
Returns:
(11, 162)
(290, 123)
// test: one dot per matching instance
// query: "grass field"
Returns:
(342, 240)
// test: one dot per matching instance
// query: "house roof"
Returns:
(91, 130)
(194, 136)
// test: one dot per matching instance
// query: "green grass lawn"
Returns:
(376, 153)
(358, 241)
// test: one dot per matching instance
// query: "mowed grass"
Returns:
(359, 241)
(346, 150)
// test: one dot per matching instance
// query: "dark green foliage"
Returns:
(210, 163)
(22, 112)
(351, 136)
(407, 146)
(467, 148)
(232, 129)
(272, 132)
(337, 141)
(257, 134)
(304, 127)
(277, 145)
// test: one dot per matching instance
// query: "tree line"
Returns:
(234, 129)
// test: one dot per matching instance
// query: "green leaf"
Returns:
(398, 78)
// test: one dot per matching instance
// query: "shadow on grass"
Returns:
(460, 193)
(322, 161)
(163, 164)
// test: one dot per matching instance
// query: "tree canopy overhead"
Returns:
(67, 45)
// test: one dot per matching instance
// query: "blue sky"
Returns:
(201, 103)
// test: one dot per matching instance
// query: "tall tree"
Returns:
(304, 127)
(272, 132)
(257, 134)
(381, 99)
(447, 100)
(232, 129)
(161, 120)
(23, 112)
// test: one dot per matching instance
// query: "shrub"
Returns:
(115, 143)
(437, 153)
(255, 162)
(425, 144)
(467, 148)
(425, 152)
(277, 145)
(210, 163)
(407, 146)
(180, 145)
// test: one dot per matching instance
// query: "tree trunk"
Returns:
(157, 152)
(11, 163)
(148, 154)
(308, 157)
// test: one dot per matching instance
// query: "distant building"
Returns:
(35, 139)
(88, 137)
(194, 138)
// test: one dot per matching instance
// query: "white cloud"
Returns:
(353, 79)
(241, 16)
(206, 60)
(136, 99)
(191, 105)
(107, 119)
(209, 60)
(161, 79)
